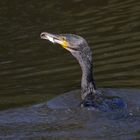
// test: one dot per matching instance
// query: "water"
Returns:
(32, 71)
(61, 118)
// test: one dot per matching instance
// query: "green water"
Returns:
(32, 71)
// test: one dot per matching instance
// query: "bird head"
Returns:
(75, 44)
(70, 42)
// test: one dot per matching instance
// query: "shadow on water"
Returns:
(32, 72)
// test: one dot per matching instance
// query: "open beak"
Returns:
(55, 39)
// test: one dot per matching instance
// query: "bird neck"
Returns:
(87, 83)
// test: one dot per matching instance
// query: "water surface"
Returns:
(33, 71)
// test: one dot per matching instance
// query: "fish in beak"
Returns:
(55, 39)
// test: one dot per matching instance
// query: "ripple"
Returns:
(30, 68)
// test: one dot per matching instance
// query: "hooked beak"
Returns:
(55, 39)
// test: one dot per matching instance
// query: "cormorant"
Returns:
(79, 48)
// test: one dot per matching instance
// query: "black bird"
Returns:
(91, 97)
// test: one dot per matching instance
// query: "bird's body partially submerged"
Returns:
(82, 52)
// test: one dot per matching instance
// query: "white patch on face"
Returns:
(50, 39)
(58, 41)
(70, 50)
